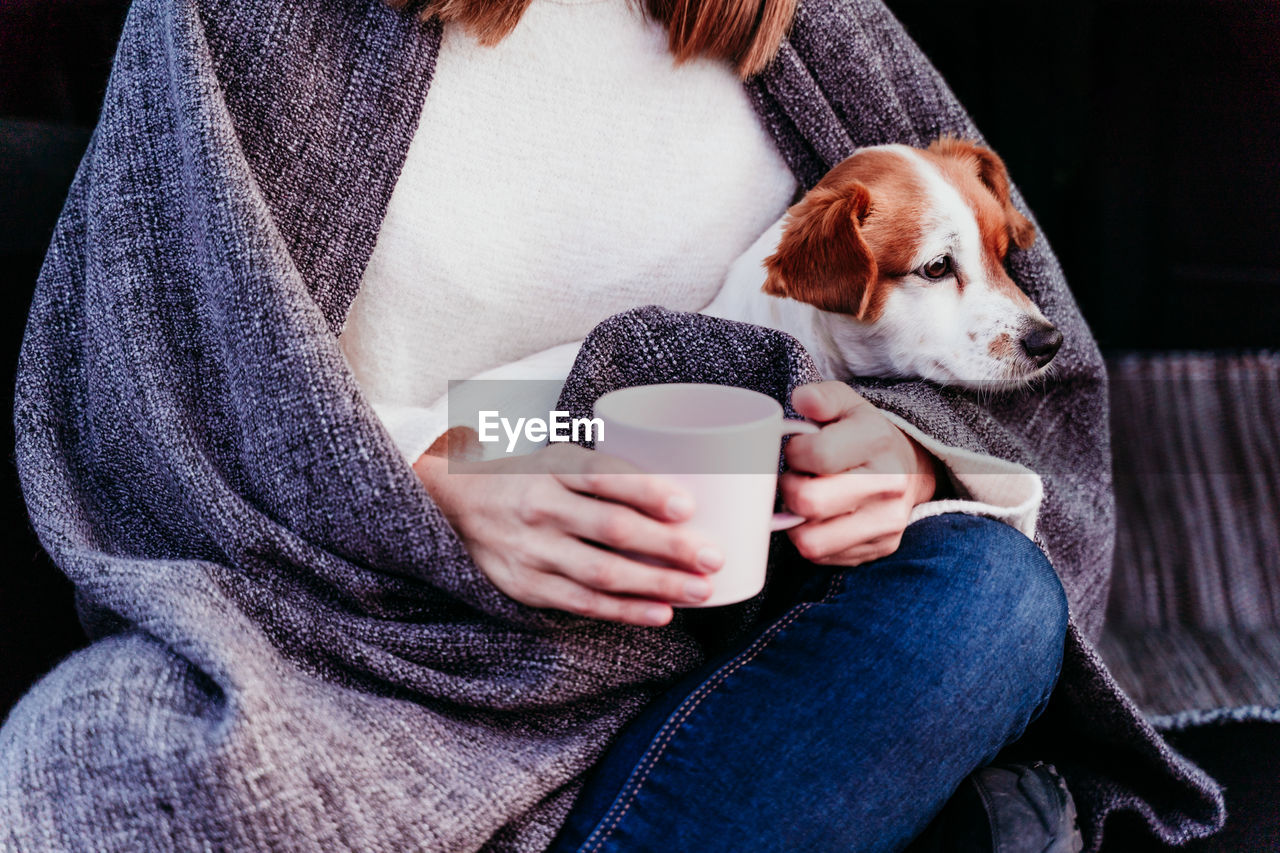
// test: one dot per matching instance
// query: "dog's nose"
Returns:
(1041, 344)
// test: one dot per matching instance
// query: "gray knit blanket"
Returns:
(292, 648)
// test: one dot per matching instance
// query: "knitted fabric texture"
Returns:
(293, 649)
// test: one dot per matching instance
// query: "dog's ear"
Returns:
(822, 258)
(995, 177)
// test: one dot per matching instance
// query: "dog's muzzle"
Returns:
(1041, 343)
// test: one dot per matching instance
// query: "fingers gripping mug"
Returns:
(721, 444)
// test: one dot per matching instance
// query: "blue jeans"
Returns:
(846, 723)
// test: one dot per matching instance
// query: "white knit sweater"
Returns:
(564, 175)
(571, 172)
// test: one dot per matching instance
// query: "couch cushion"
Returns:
(1169, 670)
(1196, 441)
(1194, 615)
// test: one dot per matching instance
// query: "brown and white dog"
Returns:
(893, 266)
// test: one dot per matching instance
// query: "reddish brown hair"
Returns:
(747, 33)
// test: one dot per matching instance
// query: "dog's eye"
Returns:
(939, 267)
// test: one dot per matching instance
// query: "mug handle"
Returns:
(788, 520)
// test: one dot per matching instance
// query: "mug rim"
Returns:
(776, 412)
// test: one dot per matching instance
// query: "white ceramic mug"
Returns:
(721, 444)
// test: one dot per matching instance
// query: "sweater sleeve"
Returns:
(984, 485)
(412, 428)
(524, 388)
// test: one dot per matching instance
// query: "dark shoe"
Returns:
(1016, 808)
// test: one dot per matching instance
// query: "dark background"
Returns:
(54, 59)
(1145, 135)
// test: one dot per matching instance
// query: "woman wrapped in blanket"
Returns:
(293, 227)
(542, 193)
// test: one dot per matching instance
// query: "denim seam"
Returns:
(669, 729)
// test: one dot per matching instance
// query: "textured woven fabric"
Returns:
(1171, 670)
(1193, 632)
(1197, 462)
(295, 651)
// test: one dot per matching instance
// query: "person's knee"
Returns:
(1003, 596)
(1022, 603)
(119, 711)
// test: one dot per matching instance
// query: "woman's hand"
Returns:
(541, 527)
(856, 481)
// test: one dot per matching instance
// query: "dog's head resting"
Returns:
(907, 248)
